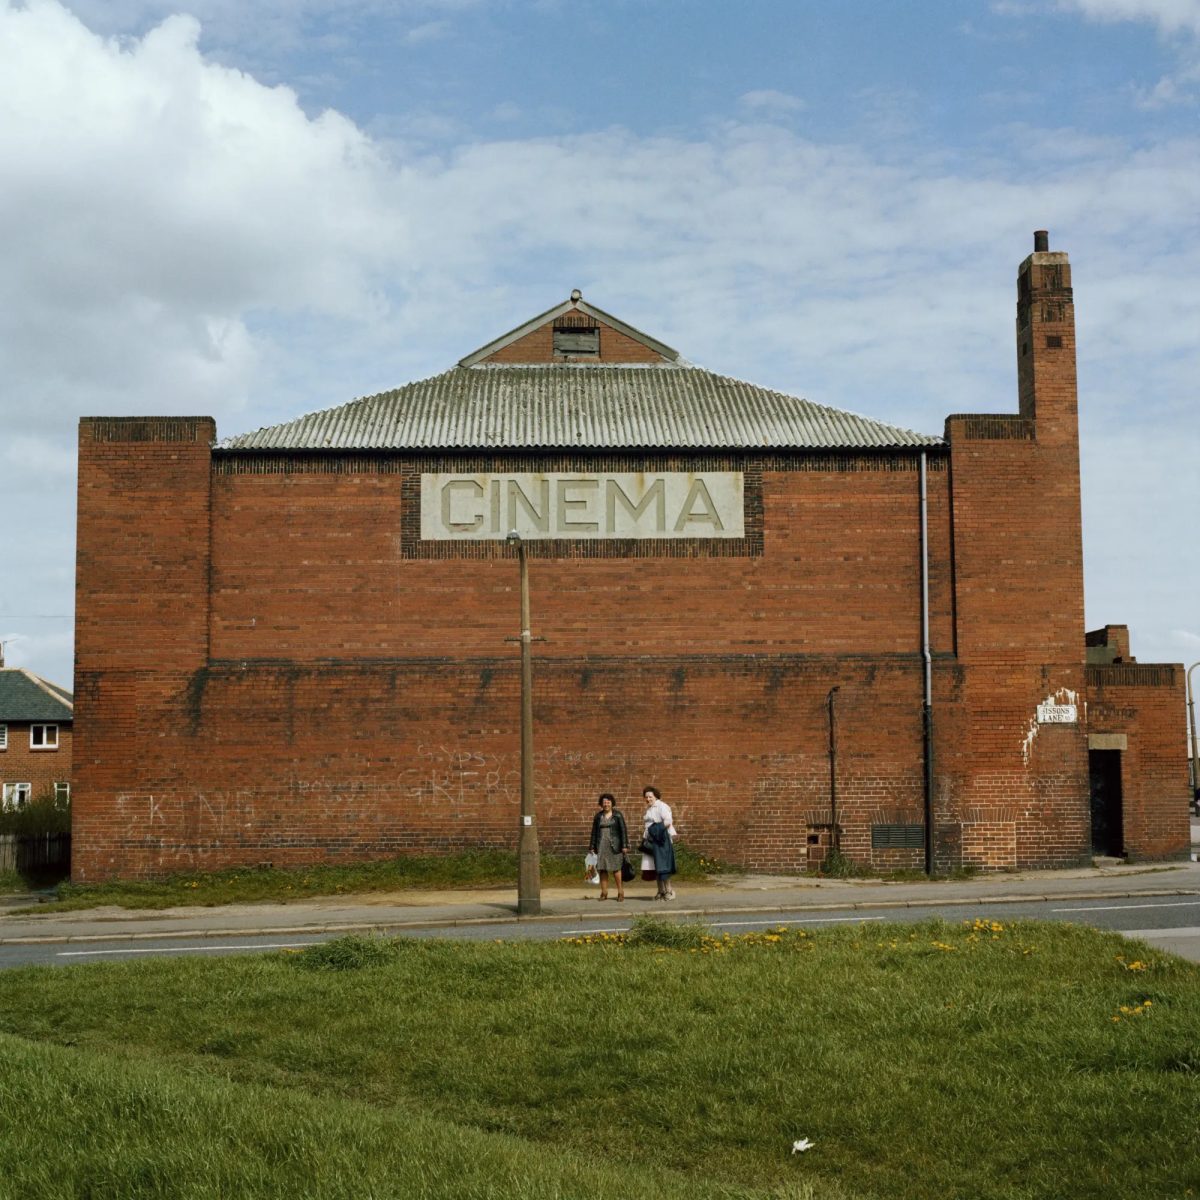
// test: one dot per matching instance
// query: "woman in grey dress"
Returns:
(610, 844)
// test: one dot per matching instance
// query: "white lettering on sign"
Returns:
(1057, 714)
(652, 504)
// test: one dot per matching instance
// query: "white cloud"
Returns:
(1169, 16)
(152, 200)
(427, 31)
(264, 21)
(1179, 88)
(1176, 21)
(769, 102)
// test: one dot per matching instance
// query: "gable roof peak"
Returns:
(645, 346)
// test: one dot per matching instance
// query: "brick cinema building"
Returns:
(297, 645)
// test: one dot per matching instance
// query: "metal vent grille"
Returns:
(897, 837)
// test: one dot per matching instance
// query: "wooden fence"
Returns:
(34, 851)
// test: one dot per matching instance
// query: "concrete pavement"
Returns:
(734, 894)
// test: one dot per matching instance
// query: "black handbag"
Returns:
(627, 871)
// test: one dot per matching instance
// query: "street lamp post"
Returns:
(1191, 702)
(529, 867)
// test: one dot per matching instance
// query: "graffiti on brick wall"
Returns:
(203, 814)
(448, 780)
(455, 774)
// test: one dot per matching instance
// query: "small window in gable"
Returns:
(576, 335)
(3, 737)
(43, 737)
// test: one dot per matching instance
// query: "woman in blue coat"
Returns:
(658, 836)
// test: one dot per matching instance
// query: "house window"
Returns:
(3, 737)
(43, 737)
(62, 794)
(16, 795)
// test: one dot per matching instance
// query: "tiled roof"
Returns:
(586, 406)
(25, 696)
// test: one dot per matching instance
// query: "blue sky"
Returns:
(257, 210)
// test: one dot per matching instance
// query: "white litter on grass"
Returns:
(802, 1145)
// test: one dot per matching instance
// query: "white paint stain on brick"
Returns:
(1062, 696)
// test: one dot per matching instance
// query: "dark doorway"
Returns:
(1104, 768)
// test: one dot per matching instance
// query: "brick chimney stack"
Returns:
(1046, 377)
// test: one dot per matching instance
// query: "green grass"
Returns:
(941, 1061)
(837, 866)
(120, 1130)
(470, 869)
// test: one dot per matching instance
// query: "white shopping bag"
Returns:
(590, 874)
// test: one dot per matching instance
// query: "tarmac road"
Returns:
(1157, 904)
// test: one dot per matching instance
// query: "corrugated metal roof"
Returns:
(25, 696)
(592, 406)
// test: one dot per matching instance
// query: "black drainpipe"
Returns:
(835, 841)
(927, 672)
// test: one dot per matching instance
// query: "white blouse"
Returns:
(659, 811)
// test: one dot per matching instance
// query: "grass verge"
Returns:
(999, 1062)
(127, 1131)
(470, 869)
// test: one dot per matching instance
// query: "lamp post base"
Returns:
(529, 871)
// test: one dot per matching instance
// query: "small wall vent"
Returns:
(576, 335)
(897, 837)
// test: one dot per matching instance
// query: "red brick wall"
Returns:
(1146, 703)
(291, 764)
(141, 618)
(352, 690)
(313, 566)
(538, 347)
(328, 691)
(41, 769)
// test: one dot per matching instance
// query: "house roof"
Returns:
(25, 696)
(630, 392)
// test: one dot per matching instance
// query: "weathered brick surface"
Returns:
(1146, 703)
(538, 347)
(273, 668)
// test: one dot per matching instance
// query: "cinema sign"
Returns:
(583, 504)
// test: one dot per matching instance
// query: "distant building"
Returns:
(36, 720)
(807, 627)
